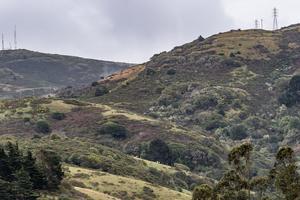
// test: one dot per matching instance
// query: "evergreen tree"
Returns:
(14, 157)
(5, 171)
(23, 186)
(6, 190)
(37, 178)
(51, 164)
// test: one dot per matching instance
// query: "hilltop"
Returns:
(27, 73)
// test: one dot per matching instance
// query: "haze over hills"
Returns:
(27, 73)
(166, 126)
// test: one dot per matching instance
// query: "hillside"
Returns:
(27, 73)
(234, 86)
(162, 127)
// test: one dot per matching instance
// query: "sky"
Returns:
(130, 30)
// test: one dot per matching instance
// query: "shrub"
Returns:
(94, 84)
(238, 132)
(202, 192)
(291, 96)
(100, 91)
(205, 102)
(43, 127)
(171, 71)
(26, 119)
(114, 129)
(58, 116)
(159, 151)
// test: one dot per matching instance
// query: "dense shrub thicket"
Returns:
(22, 175)
(114, 129)
(291, 95)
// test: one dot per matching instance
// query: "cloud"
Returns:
(120, 30)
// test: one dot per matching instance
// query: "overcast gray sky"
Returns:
(130, 30)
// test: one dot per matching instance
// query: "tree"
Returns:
(23, 186)
(37, 178)
(51, 165)
(159, 151)
(14, 157)
(202, 192)
(5, 190)
(260, 184)
(285, 174)
(235, 184)
(5, 171)
(240, 158)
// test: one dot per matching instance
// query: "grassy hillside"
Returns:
(27, 73)
(232, 87)
(165, 126)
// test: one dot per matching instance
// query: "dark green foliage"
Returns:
(202, 192)
(171, 71)
(100, 91)
(159, 151)
(114, 129)
(285, 174)
(20, 175)
(94, 84)
(51, 165)
(204, 102)
(23, 187)
(291, 95)
(6, 192)
(238, 132)
(43, 127)
(58, 115)
(37, 177)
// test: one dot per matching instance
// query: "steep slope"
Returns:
(233, 86)
(24, 72)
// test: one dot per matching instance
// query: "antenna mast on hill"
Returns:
(256, 24)
(275, 19)
(261, 23)
(15, 37)
(2, 41)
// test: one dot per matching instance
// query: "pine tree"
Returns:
(14, 157)
(37, 178)
(5, 171)
(51, 164)
(6, 190)
(22, 186)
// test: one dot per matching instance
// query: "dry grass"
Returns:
(244, 42)
(114, 185)
(59, 106)
(94, 194)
